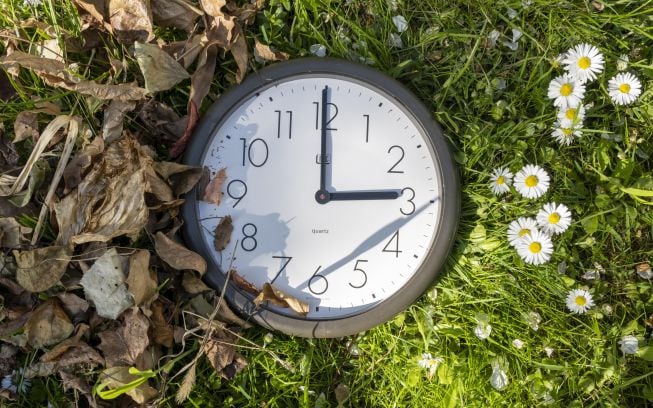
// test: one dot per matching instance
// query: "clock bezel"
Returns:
(443, 238)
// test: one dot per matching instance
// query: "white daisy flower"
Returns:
(571, 116)
(518, 344)
(554, 218)
(624, 88)
(548, 351)
(533, 319)
(579, 301)
(482, 330)
(501, 180)
(428, 362)
(565, 133)
(584, 62)
(629, 344)
(519, 228)
(622, 62)
(566, 91)
(531, 181)
(499, 378)
(536, 248)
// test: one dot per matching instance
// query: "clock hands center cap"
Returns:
(322, 196)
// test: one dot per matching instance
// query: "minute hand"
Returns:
(364, 195)
(323, 140)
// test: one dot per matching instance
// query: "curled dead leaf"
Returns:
(175, 13)
(131, 20)
(243, 283)
(177, 256)
(78, 165)
(114, 116)
(142, 281)
(48, 325)
(278, 298)
(69, 354)
(57, 74)
(161, 331)
(223, 232)
(161, 121)
(12, 234)
(264, 53)
(41, 268)
(97, 9)
(213, 191)
(125, 345)
(213, 7)
(104, 285)
(160, 70)
(110, 201)
(182, 178)
(193, 284)
(26, 126)
(220, 350)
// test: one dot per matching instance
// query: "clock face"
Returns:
(335, 191)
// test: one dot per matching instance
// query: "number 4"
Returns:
(395, 238)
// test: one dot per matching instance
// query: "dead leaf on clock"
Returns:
(243, 283)
(278, 298)
(213, 191)
(223, 233)
(265, 53)
(178, 256)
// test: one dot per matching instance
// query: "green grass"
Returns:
(446, 61)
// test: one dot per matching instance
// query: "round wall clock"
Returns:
(341, 190)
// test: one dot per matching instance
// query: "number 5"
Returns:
(356, 268)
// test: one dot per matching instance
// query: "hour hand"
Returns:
(364, 195)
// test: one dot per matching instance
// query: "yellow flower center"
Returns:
(524, 231)
(554, 218)
(566, 89)
(571, 113)
(501, 180)
(624, 88)
(535, 247)
(531, 181)
(580, 300)
(584, 63)
(566, 131)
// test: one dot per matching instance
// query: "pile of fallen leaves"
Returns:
(79, 202)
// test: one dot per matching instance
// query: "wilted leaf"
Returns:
(36, 178)
(193, 117)
(186, 52)
(104, 285)
(12, 234)
(176, 255)
(162, 121)
(41, 268)
(110, 201)
(74, 306)
(69, 354)
(114, 116)
(239, 51)
(48, 325)
(243, 283)
(121, 378)
(161, 332)
(125, 345)
(182, 178)
(8, 154)
(278, 298)
(71, 382)
(213, 191)
(220, 351)
(160, 70)
(7, 90)
(97, 9)
(192, 284)
(26, 126)
(78, 165)
(263, 52)
(131, 20)
(142, 282)
(175, 13)
(57, 74)
(11, 331)
(213, 7)
(223, 233)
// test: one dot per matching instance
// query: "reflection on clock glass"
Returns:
(344, 256)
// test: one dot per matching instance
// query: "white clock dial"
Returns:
(341, 257)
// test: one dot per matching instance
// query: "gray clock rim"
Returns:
(443, 239)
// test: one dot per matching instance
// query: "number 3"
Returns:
(410, 200)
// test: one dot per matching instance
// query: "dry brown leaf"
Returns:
(57, 74)
(223, 233)
(193, 118)
(243, 283)
(110, 201)
(178, 256)
(71, 382)
(69, 354)
(160, 331)
(213, 7)
(125, 345)
(97, 9)
(104, 285)
(116, 377)
(182, 178)
(213, 191)
(41, 268)
(8, 155)
(76, 168)
(142, 282)
(160, 70)
(220, 350)
(74, 306)
(131, 20)
(48, 325)
(175, 13)
(239, 51)
(114, 116)
(26, 126)
(245, 13)
(159, 188)
(278, 298)
(12, 234)
(186, 52)
(162, 122)
(265, 53)
(192, 284)
(7, 90)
